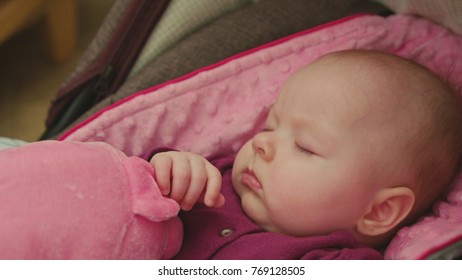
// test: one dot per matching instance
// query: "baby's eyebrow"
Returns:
(319, 133)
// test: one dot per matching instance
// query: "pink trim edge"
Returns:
(212, 66)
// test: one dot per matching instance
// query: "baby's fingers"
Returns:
(162, 164)
(196, 183)
(181, 174)
(213, 197)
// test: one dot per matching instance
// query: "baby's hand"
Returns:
(186, 178)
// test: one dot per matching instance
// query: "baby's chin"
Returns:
(264, 225)
(256, 212)
(251, 205)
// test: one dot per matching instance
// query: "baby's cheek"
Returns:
(278, 191)
(281, 178)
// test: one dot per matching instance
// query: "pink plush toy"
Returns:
(72, 200)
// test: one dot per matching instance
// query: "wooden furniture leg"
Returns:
(60, 29)
(16, 15)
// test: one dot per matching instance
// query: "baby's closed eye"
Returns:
(302, 149)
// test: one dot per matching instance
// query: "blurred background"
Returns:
(31, 67)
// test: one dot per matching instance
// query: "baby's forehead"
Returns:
(377, 67)
(377, 75)
(361, 85)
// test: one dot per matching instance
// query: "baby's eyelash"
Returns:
(303, 150)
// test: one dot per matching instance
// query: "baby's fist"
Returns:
(188, 177)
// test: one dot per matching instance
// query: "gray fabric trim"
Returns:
(451, 252)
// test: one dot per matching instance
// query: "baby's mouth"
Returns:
(249, 179)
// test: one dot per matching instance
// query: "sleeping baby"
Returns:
(357, 145)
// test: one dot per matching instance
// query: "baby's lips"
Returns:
(249, 179)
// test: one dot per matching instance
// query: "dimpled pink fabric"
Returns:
(73, 200)
(216, 109)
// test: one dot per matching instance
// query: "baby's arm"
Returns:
(187, 177)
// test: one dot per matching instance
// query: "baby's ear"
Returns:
(389, 208)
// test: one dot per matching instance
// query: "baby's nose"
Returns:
(263, 145)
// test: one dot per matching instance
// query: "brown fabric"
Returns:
(236, 32)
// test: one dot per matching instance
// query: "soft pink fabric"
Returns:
(214, 110)
(72, 200)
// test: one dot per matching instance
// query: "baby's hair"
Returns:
(435, 149)
(437, 154)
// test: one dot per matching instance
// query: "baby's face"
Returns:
(314, 167)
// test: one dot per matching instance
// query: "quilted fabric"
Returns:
(216, 109)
